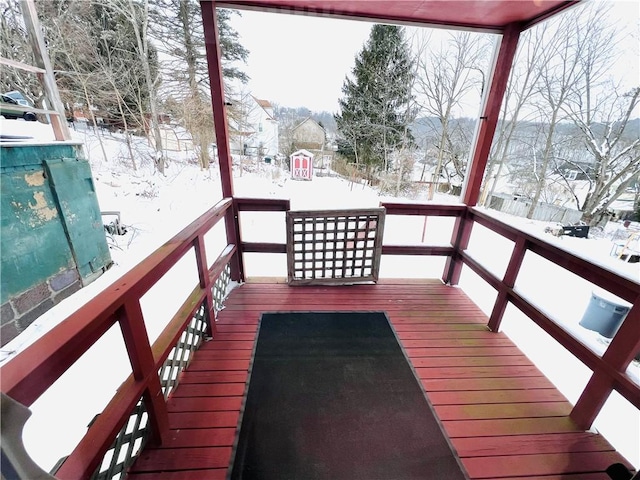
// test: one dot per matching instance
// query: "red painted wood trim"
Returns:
(482, 272)
(28, 375)
(232, 229)
(489, 118)
(600, 276)
(214, 63)
(592, 400)
(411, 14)
(170, 334)
(205, 283)
(460, 237)
(550, 13)
(623, 348)
(509, 280)
(427, 210)
(619, 380)
(86, 456)
(255, 247)
(153, 398)
(136, 339)
(430, 250)
(626, 343)
(262, 204)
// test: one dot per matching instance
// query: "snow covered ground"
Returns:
(155, 207)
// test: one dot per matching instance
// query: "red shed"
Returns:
(301, 165)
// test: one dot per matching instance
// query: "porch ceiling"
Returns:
(485, 15)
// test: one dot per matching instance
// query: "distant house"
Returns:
(255, 129)
(311, 136)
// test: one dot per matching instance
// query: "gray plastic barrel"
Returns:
(603, 316)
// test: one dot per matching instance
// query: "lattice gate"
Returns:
(334, 246)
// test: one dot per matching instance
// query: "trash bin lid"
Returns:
(610, 297)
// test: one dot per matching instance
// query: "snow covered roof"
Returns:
(302, 151)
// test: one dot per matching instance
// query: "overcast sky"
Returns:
(298, 60)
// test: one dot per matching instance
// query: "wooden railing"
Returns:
(34, 370)
(262, 205)
(26, 377)
(609, 370)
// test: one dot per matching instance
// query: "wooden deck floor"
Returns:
(503, 417)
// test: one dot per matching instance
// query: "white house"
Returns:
(255, 129)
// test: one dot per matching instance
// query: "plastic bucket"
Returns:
(603, 316)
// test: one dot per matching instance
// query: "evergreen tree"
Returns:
(375, 111)
(178, 24)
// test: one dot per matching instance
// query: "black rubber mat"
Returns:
(332, 396)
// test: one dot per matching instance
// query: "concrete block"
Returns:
(70, 290)
(8, 332)
(63, 280)
(28, 318)
(7, 313)
(31, 298)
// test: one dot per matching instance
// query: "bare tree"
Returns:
(520, 91)
(446, 76)
(601, 109)
(14, 46)
(76, 49)
(136, 12)
(615, 152)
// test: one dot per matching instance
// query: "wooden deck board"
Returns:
(504, 419)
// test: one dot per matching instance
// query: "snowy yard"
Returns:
(153, 208)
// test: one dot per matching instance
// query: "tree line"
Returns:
(566, 122)
(129, 62)
(564, 117)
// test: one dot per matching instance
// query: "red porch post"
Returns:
(482, 145)
(214, 61)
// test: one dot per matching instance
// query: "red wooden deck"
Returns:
(504, 418)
